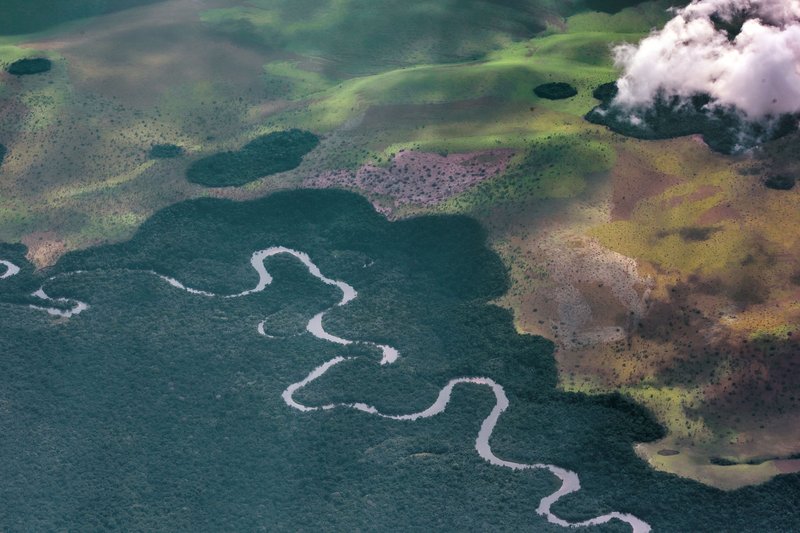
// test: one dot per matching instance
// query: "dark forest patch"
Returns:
(697, 234)
(691, 233)
(606, 92)
(269, 154)
(165, 151)
(780, 182)
(29, 66)
(555, 91)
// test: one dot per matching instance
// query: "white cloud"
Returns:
(757, 71)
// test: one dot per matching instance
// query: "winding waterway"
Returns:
(570, 482)
(11, 269)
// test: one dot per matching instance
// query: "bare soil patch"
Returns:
(419, 178)
(717, 214)
(635, 180)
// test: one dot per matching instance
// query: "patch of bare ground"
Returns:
(44, 248)
(419, 178)
(599, 293)
(635, 180)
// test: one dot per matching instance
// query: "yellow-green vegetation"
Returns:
(312, 71)
(557, 167)
(509, 74)
(694, 465)
(356, 37)
(668, 404)
(287, 80)
(771, 334)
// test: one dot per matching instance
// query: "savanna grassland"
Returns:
(660, 269)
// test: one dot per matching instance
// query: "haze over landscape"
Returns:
(370, 265)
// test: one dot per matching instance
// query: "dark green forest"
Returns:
(165, 151)
(555, 91)
(268, 154)
(29, 66)
(160, 410)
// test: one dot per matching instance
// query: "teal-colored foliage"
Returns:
(780, 182)
(269, 154)
(555, 91)
(611, 6)
(28, 66)
(165, 151)
(161, 410)
(19, 289)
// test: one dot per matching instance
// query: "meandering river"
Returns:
(570, 482)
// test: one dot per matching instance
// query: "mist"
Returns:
(743, 54)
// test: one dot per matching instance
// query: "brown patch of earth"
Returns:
(702, 192)
(419, 178)
(717, 214)
(44, 248)
(635, 180)
(787, 466)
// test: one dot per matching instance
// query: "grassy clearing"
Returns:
(556, 167)
(510, 74)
